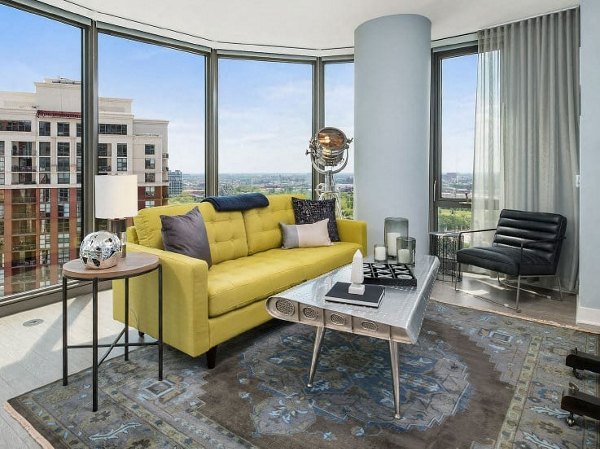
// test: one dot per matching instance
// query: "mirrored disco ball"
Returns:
(100, 250)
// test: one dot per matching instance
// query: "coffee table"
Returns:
(398, 318)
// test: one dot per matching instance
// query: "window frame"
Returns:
(435, 170)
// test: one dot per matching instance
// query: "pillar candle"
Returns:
(404, 256)
(391, 243)
(380, 253)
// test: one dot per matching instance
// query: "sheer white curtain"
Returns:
(527, 130)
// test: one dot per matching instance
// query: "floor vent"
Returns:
(34, 322)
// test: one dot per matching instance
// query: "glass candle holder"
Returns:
(379, 253)
(393, 228)
(406, 250)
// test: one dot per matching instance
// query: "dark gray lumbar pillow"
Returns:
(186, 234)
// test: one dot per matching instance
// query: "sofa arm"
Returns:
(354, 231)
(185, 301)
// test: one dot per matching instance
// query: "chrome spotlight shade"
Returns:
(100, 250)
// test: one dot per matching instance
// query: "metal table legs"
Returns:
(393, 359)
(395, 376)
(95, 345)
(315, 357)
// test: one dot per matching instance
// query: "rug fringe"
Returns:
(39, 439)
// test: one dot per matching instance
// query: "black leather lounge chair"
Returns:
(526, 244)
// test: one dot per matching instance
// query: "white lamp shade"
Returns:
(116, 196)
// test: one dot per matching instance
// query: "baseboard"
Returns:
(587, 315)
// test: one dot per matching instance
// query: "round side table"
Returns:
(134, 264)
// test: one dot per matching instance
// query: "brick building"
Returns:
(40, 174)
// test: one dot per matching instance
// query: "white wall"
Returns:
(589, 260)
(392, 61)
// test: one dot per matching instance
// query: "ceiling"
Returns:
(314, 27)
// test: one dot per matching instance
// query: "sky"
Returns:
(264, 107)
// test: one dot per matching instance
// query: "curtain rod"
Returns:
(532, 17)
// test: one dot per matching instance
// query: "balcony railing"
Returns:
(24, 199)
(23, 247)
(23, 231)
(23, 169)
(28, 262)
(23, 152)
(25, 215)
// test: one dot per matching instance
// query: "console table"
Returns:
(135, 264)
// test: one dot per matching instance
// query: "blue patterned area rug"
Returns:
(475, 380)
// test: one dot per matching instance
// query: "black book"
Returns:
(371, 298)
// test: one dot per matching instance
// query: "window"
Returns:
(121, 150)
(339, 113)
(149, 163)
(63, 195)
(78, 130)
(149, 203)
(63, 226)
(44, 128)
(103, 150)
(121, 164)
(62, 129)
(453, 131)
(63, 210)
(110, 128)
(44, 148)
(45, 241)
(176, 128)
(64, 178)
(256, 98)
(15, 125)
(62, 148)
(150, 192)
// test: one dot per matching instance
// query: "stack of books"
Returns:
(371, 298)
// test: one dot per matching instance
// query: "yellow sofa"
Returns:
(204, 307)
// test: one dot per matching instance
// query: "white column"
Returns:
(392, 59)
(588, 310)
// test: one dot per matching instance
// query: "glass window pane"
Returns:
(459, 86)
(265, 124)
(339, 113)
(29, 250)
(162, 90)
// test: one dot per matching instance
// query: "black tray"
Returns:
(394, 274)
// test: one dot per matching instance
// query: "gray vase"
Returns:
(100, 250)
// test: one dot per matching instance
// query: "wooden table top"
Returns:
(131, 265)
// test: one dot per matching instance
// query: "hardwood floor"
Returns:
(31, 356)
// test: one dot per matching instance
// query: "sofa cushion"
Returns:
(226, 233)
(186, 234)
(262, 225)
(148, 225)
(236, 283)
(311, 211)
(225, 230)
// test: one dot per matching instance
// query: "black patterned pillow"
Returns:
(311, 211)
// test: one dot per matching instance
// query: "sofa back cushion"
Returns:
(225, 230)
(262, 224)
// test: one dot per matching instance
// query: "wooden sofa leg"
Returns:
(211, 357)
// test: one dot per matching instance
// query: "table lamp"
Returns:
(116, 199)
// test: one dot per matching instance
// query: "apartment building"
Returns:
(40, 174)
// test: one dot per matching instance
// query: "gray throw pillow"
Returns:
(311, 211)
(186, 234)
